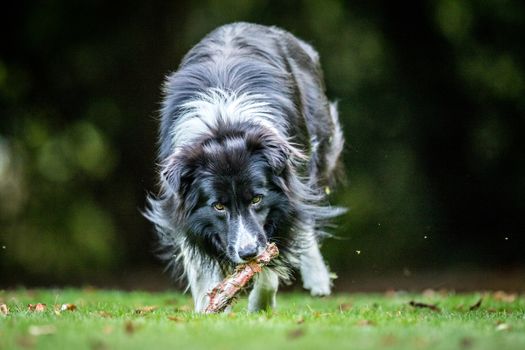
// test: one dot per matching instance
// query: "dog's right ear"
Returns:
(176, 174)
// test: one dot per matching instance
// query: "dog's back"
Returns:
(263, 61)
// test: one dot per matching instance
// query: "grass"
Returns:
(122, 320)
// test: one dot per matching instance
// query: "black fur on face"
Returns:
(231, 195)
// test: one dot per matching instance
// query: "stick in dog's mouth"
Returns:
(224, 293)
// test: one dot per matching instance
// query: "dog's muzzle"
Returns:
(246, 245)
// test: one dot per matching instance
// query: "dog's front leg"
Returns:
(262, 296)
(314, 272)
(201, 280)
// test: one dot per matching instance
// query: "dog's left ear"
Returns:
(176, 174)
(276, 151)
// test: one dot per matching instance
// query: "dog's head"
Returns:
(230, 191)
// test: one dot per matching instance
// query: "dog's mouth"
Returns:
(242, 257)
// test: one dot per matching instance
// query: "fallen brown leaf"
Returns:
(4, 310)
(145, 310)
(36, 307)
(345, 307)
(504, 296)
(424, 305)
(476, 305)
(318, 314)
(183, 308)
(68, 307)
(296, 333)
(129, 327)
(390, 293)
(175, 319)
(466, 343)
(363, 323)
(429, 293)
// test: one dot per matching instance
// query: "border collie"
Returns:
(248, 152)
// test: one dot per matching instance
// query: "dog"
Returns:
(248, 152)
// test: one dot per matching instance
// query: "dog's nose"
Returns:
(248, 252)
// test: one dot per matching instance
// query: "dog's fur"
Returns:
(249, 146)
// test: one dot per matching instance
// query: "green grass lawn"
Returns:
(122, 320)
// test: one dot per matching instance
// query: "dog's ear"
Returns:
(176, 174)
(276, 155)
(275, 150)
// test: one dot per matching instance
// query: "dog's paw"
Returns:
(319, 285)
(320, 291)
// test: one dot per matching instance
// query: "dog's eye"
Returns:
(219, 206)
(257, 199)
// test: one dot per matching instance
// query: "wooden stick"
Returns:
(224, 293)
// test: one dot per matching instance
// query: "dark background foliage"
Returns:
(431, 95)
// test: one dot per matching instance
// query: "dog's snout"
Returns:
(248, 252)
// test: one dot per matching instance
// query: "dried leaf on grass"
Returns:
(504, 296)
(175, 319)
(466, 343)
(36, 307)
(296, 333)
(429, 293)
(4, 310)
(345, 307)
(183, 308)
(476, 305)
(424, 306)
(130, 327)
(145, 310)
(68, 307)
(364, 323)
(390, 293)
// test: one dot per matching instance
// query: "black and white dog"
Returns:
(249, 145)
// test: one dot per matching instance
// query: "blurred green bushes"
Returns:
(431, 95)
